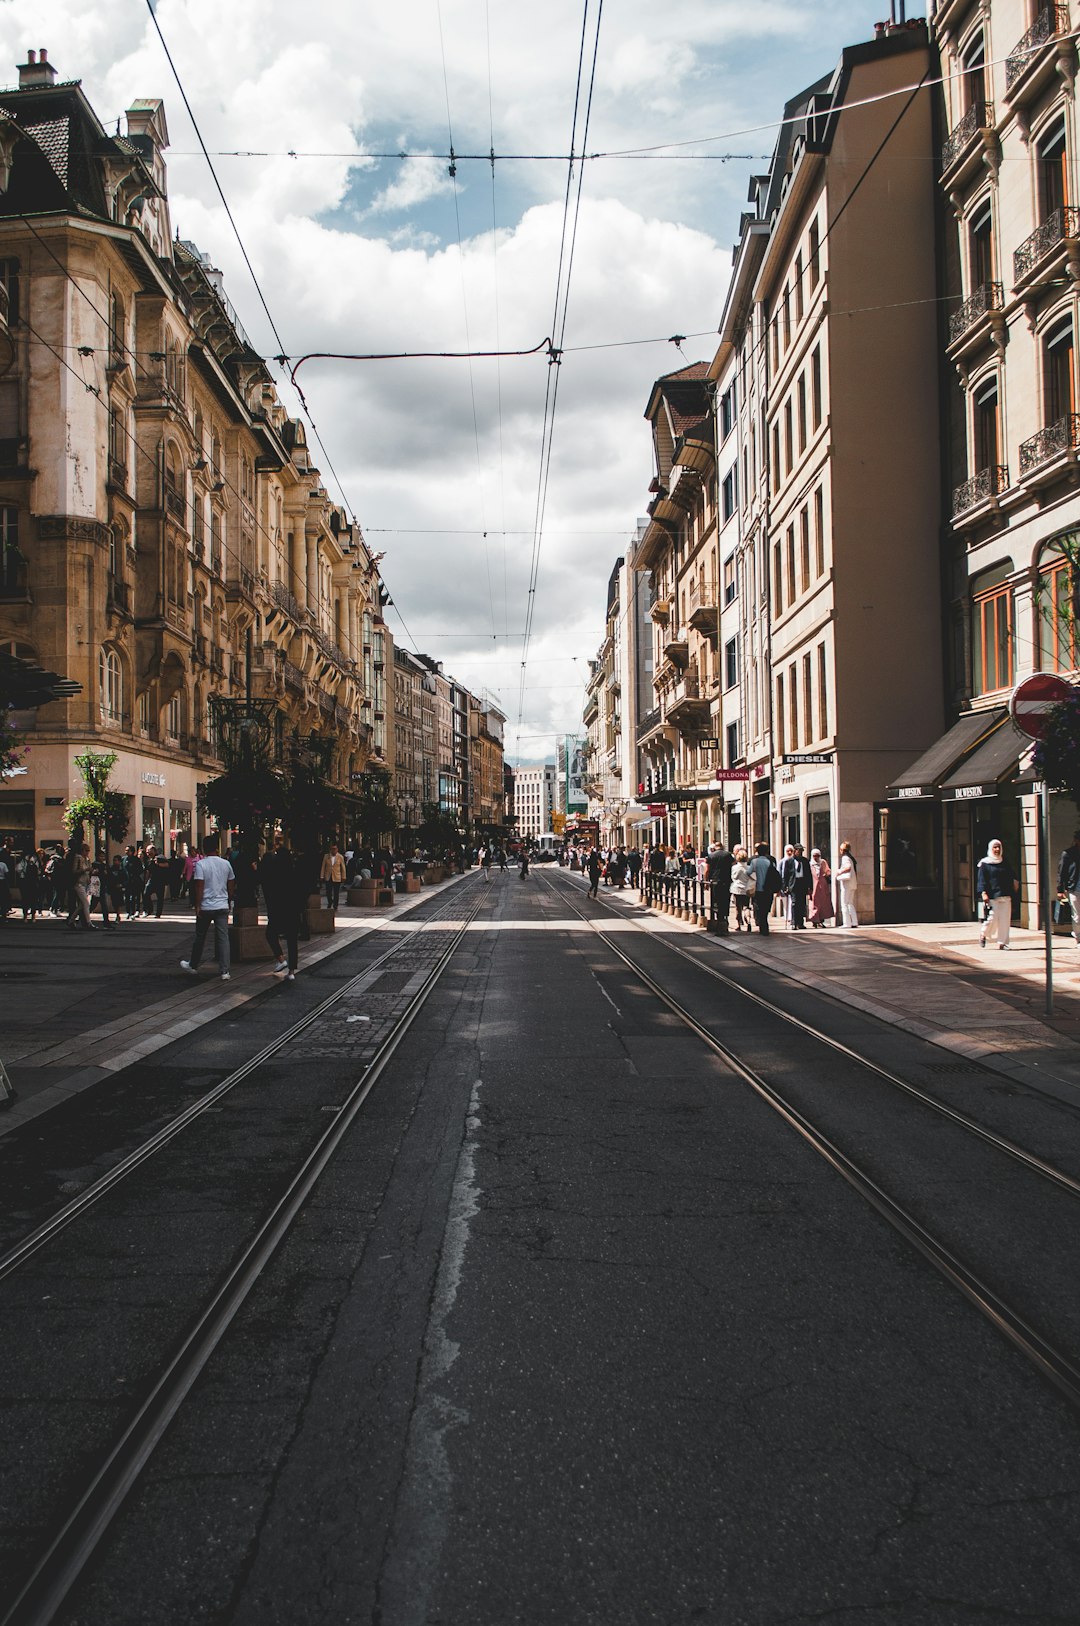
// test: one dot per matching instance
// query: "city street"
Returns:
(574, 1325)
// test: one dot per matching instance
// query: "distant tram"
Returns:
(547, 846)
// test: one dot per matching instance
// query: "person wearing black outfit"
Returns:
(995, 884)
(767, 884)
(592, 866)
(797, 878)
(718, 867)
(284, 893)
(134, 877)
(1068, 882)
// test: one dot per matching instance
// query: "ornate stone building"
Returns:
(165, 538)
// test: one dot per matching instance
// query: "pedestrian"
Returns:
(29, 876)
(134, 880)
(157, 880)
(1068, 882)
(5, 886)
(996, 886)
(821, 904)
(719, 867)
(483, 858)
(742, 888)
(786, 868)
(592, 869)
(281, 885)
(214, 886)
(80, 888)
(523, 873)
(633, 866)
(332, 874)
(502, 860)
(114, 884)
(847, 881)
(767, 884)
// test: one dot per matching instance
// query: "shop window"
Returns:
(790, 824)
(819, 824)
(910, 852)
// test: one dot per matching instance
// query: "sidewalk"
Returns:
(931, 979)
(77, 1006)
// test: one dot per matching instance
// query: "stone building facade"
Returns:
(167, 540)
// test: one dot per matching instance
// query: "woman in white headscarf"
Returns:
(995, 886)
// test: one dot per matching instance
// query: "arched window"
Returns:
(992, 640)
(981, 246)
(1059, 390)
(110, 687)
(987, 425)
(174, 717)
(1057, 600)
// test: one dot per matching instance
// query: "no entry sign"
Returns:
(1032, 700)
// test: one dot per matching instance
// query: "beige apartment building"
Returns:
(1010, 271)
(793, 538)
(165, 538)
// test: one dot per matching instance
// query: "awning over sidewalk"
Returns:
(996, 760)
(923, 780)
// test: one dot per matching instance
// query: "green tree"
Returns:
(376, 817)
(101, 808)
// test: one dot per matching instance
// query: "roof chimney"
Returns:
(36, 70)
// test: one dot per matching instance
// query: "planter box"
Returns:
(247, 939)
(319, 920)
(371, 895)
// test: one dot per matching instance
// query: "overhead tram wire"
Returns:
(498, 332)
(465, 308)
(558, 326)
(247, 260)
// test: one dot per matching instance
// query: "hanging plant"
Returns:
(13, 749)
(1056, 756)
(244, 798)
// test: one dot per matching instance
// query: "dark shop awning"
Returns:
(922, 781)
(995, 761)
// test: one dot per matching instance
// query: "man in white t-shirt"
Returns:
(213, 886)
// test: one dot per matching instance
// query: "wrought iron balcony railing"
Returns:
(1062, 436)
(989, 482)
(175, 504)
(979, 116)
(990, 297)
(1056, 229)
(1052, 21)
(282, 597)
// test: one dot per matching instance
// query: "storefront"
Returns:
(983, 801)
(911, 867)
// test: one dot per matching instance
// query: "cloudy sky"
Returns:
(442, 461)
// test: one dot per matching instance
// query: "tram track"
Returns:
(92, 1508)
(1054, 1363)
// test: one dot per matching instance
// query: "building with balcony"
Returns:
(1010, 267)
(165, 538)
(487, 788)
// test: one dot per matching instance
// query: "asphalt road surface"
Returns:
(574, 1329)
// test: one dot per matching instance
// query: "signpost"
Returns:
(1029, 706)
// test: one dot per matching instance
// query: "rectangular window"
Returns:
(808, 697)
(727, 412)
(731, 663)
(991, 641)
(775, 334)
(804, 546)
(787, 437)
(781, 740)
(1057, 604)
(728, 495)
(9, 283)
(10, 558)
(793, 709)
(787, 317)
(778, 579)
(815, 387)
(802, 412)
(730, 583)
(791, 587)
(798, 287)
(822, 695)
(819, 529)
(732, 733)
(776, 457)
(815, 254)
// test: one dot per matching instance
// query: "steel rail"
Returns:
(1001, 1143)
(50, 1228)
(77, 1539)
(1054, 1365)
